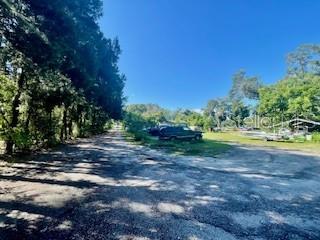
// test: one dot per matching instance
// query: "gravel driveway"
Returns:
(106, 188)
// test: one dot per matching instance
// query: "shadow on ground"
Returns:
(103, 188)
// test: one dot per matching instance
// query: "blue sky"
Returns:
(181, 53)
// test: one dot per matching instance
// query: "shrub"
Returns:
(135, 125)
(300, 139)
(316, 137)
(140, 136)
(23, 141)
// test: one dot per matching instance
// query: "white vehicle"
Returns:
(280, 136)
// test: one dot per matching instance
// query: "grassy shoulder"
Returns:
(205, 147)
(237, 137)
(218, 143)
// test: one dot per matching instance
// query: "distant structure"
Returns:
(300, 124)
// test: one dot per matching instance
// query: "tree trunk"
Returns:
(51, 132)
(61, 134)
(84, 122)
(27, 123)
(63, 131)
(15, 115)
(70, 129)
(218, 122)
(65, 126)
(80, 125)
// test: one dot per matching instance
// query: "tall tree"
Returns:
(244, 87)
(304, 60)
(239, 112)
(63, 68)
(218, 109)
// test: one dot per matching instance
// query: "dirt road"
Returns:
(105, 188)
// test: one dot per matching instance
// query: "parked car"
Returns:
(174, 133)
(155, 131)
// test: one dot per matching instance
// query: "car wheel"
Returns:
(198, 137)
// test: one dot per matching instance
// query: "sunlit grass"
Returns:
(205, 147)
(217, 143)
(237, 137)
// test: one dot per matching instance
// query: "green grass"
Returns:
(237, 137)
(206, 147)
(217, 143)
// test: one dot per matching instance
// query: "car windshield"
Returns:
(186, 128)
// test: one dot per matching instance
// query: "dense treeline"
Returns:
(290, 98)
(297, 95)
(139, 116)
(58, 73)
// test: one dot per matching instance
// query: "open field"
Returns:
(238, 138)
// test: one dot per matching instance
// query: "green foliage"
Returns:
(239, 112)
(316, 137)
(190, 118)
(142, 116)
(135, 124)
(292, 97)
(300, 139)
(139, 117)
(150, 112)
(229, 124)
(218, 109)
(298, 95)
(231, 110)
(244, 87)
(304, 60)
(209, 123)
(59, 75)
(239, 138)
(7, 91)
(23, 140)
(206, 147)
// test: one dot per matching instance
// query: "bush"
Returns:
(23, 141)
(140, 136)
(316, 137)
(135, 125)
(300, 139)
